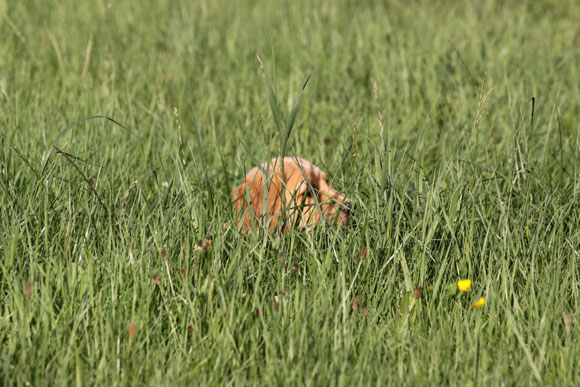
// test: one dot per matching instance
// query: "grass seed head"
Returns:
(418, 292)
(132, 330)
(199, 245)
(29, 288)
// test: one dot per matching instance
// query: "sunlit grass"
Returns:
(123, 126)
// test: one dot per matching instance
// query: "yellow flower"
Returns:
(463, 285)
(479, 303)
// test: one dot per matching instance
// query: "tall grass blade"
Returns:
(272, 98)
(73, 124)
(292, 117)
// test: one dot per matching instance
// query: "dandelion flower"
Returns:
(464, 285)
(479, 303)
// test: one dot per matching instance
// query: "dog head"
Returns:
(296, 195)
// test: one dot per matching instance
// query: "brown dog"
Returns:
(302, 197)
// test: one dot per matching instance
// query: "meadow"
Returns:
(452, 126)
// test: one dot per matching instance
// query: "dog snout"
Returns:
(347, 214)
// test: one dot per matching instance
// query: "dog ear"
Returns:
(289, 199)
(247, 199)
(259, 198)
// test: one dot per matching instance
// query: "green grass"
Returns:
(455, 180)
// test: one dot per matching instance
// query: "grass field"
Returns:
(420, 111)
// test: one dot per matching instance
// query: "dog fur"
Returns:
(299, 196)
